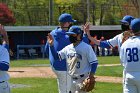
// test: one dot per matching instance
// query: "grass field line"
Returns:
(109, 79)
(110, 65)
(46, 72)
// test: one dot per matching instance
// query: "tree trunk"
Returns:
(138, 8)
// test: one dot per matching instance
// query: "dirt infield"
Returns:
(46, 72)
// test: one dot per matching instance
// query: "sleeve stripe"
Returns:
(109, 43)
(4, 62)
(60, 58)
(4, 67)
(96, 61)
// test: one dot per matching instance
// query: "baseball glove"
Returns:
(88, 84)
(126, 35)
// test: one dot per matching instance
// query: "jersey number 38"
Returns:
(132, 54)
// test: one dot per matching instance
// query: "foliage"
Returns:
(6, 15)
(103, 12)
(63, 2)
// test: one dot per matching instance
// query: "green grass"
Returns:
(108, 88)
(49, 85)
(26, 63)
(38, 85)
(109, 60)
(115, 71)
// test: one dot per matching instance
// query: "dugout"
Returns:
(34, 37)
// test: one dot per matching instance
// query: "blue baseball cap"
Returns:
(127, 19)
(135, 25)
(66, 18)
(74, 30)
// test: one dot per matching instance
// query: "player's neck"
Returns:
(76, 43)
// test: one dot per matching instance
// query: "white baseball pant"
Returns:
(63, 80)
(4, 87)
(132, 82)
(76, 83)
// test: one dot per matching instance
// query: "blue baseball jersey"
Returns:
(60, 41)
(130, 54)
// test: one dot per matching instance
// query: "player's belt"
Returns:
(2, 81)
(80, 76)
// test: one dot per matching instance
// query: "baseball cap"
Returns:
(135, 25)
(127, 19)
(66, 18)
(74, 30)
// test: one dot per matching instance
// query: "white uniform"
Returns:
(116, 41)
(78, 61)
(4, 76)
(130, 56)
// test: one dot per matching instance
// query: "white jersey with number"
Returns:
(116, 41)
(4, 58)
(78, 58)
(130, 54)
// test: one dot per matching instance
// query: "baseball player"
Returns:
(81, 64)
(61, 39)
(4, 62)
(130, 56)
(117, 40)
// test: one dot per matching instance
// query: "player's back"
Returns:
(130, 54)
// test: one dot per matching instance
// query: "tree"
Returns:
(6, 15)
(137, 5)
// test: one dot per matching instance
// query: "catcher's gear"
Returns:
(126, 35)
(88, 84)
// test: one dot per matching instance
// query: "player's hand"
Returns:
(2, 30)
(50, 39)
(4, 34)
(86, 29)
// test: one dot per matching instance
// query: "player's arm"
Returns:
(93, 69)
(92, 60)
(85, 36)
(57, 55)
(5, 40)
(4, 62)
(102, 44)
(47, 48)
(50, 41)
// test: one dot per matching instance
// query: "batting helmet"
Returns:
(74, 30)
(66, 18)
(135, 25)
(127, 19)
